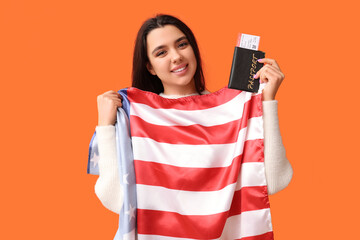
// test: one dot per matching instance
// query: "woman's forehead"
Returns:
(163, 36)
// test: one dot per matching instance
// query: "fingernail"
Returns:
(254, 76)
(259, 59)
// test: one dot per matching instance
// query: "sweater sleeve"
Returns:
(107, 187)
(278, 170)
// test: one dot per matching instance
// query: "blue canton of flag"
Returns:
(127, 216)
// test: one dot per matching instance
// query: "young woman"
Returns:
(167, 62)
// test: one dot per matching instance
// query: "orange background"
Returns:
(57, 56)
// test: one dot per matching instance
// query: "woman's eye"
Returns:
(183, 44)
(160, 53)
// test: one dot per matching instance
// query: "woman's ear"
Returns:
(150, 68)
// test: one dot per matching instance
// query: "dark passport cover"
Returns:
(243, 68)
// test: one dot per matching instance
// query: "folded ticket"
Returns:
(248, 41)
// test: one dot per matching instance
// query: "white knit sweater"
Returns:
(278, 170)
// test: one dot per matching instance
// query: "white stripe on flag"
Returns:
(250, 223)
(252, 174)
(183, 155)
(201, 202)
(255, 129)
(129, 236)
(158, 237)
(184, 202)
(206, 117)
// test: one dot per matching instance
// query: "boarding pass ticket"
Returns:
(248, 41)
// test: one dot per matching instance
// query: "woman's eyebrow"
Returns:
(177, 40)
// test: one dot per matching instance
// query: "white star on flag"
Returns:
(131, 212)
(125, 181)
(95, 159)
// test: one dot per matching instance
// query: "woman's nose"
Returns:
(176, 56)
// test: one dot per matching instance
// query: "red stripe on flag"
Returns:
(195, 134)
(265, 236)
(196, 102)
(248, 199)
(187, 179)
(253, 151)
(196, 179)
(183, 226)
(255, 106)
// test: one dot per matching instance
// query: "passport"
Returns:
(245, 65)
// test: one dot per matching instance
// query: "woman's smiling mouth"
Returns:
(181, 69)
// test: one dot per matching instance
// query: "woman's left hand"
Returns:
(271, 74)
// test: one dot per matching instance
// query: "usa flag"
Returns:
(199, 166)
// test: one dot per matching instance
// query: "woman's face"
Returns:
(172, 59)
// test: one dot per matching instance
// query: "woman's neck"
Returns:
(180, 96)
(180, 90)
(179, 93)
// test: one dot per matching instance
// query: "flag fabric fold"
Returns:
(198, 166)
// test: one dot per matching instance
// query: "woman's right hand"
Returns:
(107, 104)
